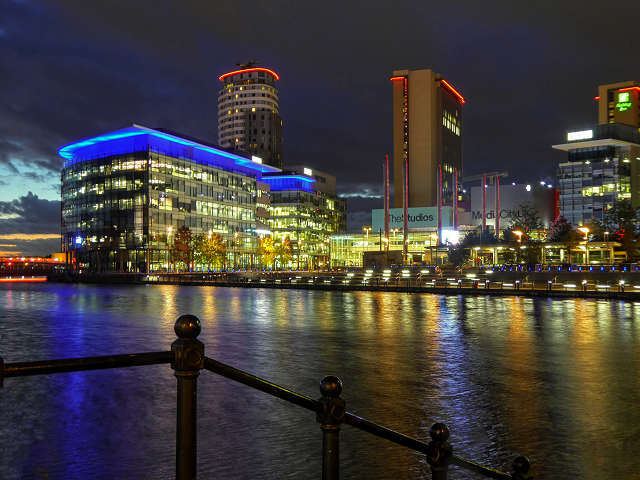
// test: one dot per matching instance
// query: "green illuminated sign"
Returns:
(623, 101)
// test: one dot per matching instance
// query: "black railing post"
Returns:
(521, 466)
(439, 451)
(189, 359)
(331, 419)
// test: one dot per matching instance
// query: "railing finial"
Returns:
(187, 326)
(521, 466)
(439, 451)
(331, 386)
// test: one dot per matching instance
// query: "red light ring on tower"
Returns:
(275, 75)
(397, 78)
(629, 88)
(452, 90)
(596, 98)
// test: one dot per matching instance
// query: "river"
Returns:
(556, 380)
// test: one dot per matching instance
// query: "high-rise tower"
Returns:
(427, 133)
(248, 116)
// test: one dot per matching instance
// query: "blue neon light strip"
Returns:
(68, 151)
(289, 177)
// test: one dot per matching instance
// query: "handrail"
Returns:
(187, 359)
(46, 367)
(262, 385)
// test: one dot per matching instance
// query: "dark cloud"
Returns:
(529, 71)
(31, 223)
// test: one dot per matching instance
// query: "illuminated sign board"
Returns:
(624, 101)
(308, 171)
(581, 135)
(419, 217)
(256, 159)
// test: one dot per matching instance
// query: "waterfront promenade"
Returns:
(608, 282)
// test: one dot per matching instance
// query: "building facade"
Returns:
(305, 208)
(427, 134)
(248, 118)
(126, 193)
(603, 167)
(618, 103)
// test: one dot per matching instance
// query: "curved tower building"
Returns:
(248, 116)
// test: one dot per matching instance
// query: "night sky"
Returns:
(529, 70)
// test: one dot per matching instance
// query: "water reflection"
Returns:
(554, 379)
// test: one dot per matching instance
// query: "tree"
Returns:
(596, 229)
(266, 250)
(558, 229)
(533, 252)
(209, 249)
(459, 254)
(198, 247)
(526, 220)
(622, 220)
(216, 250)
(284, 252)
(182, 246)
(571, 240)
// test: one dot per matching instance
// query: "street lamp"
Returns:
(169, 231)
(235, 255)
(433, 237)
(606, 237)
(584, 230)
(519, 233)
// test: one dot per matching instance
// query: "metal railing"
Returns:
(187, 359)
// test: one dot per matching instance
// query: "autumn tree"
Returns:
(209, 249)
(182, 247)
(284, 252)
(266, 250)
(216, 250)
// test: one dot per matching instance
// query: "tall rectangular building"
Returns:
(427, 133)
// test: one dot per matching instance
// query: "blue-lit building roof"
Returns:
(285, 181)
(136, 138)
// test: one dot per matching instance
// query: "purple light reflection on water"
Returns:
(554, 379)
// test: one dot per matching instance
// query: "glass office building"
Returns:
(125, 194)
(603, 167)
(305, 208)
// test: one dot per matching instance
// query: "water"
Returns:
(557, 380)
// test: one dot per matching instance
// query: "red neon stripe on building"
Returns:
(396, 78)
(251, 70)
(28, 279)
(453, 90)
(630, 88)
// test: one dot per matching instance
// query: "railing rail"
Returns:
(187, 359)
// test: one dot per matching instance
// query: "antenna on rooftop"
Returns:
(249, 64)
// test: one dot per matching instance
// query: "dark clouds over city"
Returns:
(74, 69)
